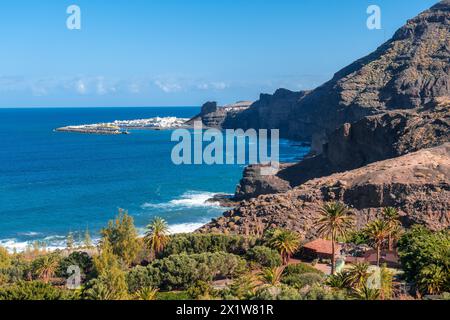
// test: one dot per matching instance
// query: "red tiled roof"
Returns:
(322, 246)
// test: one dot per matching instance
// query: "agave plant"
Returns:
(366, 293)
(146, 293)
(358, 274)
(339, 280)
(271, 276)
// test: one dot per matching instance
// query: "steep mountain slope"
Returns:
(407, 72)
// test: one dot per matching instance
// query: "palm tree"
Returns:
(46, 266)
(358, 274)
(391, 216)
(271, 276)
(378, 231)
(334, 221)
(285, 242)
(157, 235)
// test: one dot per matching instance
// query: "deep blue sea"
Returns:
(54, 183)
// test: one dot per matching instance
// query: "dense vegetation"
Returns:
(425, 257)
(211, 266)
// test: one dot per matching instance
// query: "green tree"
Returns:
(391, 216)
(378, 231)
(121, 234)
(286, 242)
(156, 237)
(334, 222)
(419, 249)
(46, 266)
(70, 241)
(111, 283)
(87, 241)
(106, 259)
(5, 258)
(108, 286)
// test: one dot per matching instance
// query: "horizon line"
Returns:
(86, 107)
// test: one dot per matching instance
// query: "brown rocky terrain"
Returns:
(417, 184)
(379, 132)
(373, 138)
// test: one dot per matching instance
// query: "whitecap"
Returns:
(184, 227)
(190, 199)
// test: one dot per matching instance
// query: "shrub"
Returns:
(358, 238)
(301, 280)
(35, 290)
(264, 256)
(300, 268)
(173, 295)
(143, 277)
(111, 285)
(200, 243)
(183, 271)
(5, 258)
(421, 250)
(317, 292)
(80, 259)
(201, 290)
(281, 292)
(17, 270)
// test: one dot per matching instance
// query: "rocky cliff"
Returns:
(417, 184)
(379, 129)
(407, 72)
(373, 138)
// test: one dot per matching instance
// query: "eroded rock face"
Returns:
(417, 184)
(368, 140)
(407, 72)
(254, 184)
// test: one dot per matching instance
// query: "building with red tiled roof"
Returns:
(321, 249)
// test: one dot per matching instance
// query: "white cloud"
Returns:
(219, 85)
(203, 86)
(80, 87)
(168, 86)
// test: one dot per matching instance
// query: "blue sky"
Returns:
(181, 52)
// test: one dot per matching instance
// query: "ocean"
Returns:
(54, 183)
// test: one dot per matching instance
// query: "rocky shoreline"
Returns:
(379, 133)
